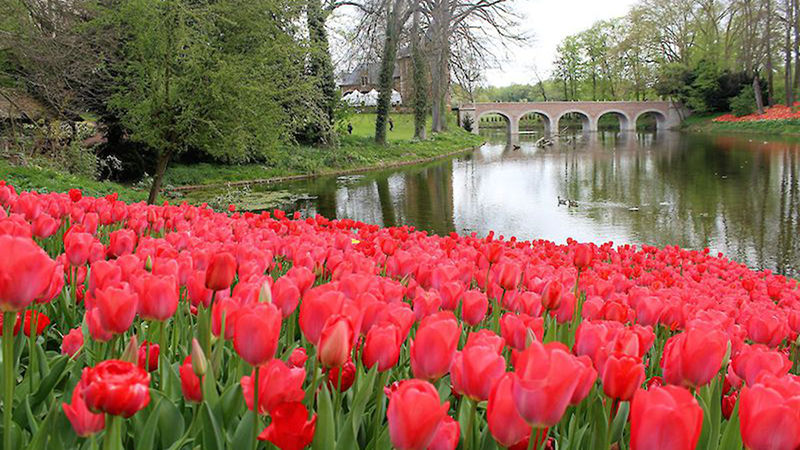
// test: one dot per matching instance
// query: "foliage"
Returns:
(744, 103)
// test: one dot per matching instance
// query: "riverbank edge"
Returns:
(337, 173)
(706, 125)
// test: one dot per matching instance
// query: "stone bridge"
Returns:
(668, 114)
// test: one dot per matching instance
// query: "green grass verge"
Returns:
(354, 152)
(42, 179)
(357, 151)
(705, 124)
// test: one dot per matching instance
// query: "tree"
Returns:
(420, 75)
(321, 70)
(394, 23)
(243, 53)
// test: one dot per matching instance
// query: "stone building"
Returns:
(366, 77)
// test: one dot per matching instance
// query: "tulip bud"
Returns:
(727, 357)
(265, 293)
(148, 264)
(199, 363)
(131, 353)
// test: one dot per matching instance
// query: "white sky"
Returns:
(549, 21)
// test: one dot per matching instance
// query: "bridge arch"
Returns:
(510, 123)
(661, 119)
(547, 120)
(625, 122)
(586, 119)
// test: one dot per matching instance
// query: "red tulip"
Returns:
(474, 306)
(486, 338)
(515, 328)
(290, 428)
(72, 342)
(588, 376)
(116, 387)
(96, 330)
(150, 361)
(25, 273)
(335, 341)
(382, 347)
(770, 414)
(278, 383)
(474, 371)
(256, 333)
(693, 358)
(753, 360)
(546, 379)
(507, 426)
(221, 271)
(433, 350)
(298, 357)
(45, 226)
(622, 376)
(551, 295)
(116, 307)
(285, 295)
(77, 247)
(231, 310)
(665, 418)
(196, 289)
(121, 242)
(315, 310)
(158, 298)
(190, 383)
(415, 413)
(84, 422)
(75, 195)
(508, 275)
(348, 376)
(27, 319)
(583, 256)
(446, 436)
(728, 404)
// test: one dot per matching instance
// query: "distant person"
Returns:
(349, 128)
(391, 124)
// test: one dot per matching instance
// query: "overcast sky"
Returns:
(549, 21)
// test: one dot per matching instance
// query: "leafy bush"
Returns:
(744, 103)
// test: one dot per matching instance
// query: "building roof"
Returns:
(372, 70)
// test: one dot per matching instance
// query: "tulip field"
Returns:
(775, 112)
(133, 326)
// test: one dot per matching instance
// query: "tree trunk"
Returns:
(420, 81)
(796, 45)
(386, 80)
(788, 50)
(768, 45)
(440, 67)
(321, 68)
(161, 169)
(759, 99)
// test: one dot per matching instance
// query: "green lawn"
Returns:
(355, 152)
(775, 127)
(42, 179)
(364, 126)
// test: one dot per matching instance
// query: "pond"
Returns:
(739, 195)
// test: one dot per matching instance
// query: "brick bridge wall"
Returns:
(669, 115)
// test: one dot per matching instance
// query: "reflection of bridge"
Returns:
(668, 115)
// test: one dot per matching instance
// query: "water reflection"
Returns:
(737, 195)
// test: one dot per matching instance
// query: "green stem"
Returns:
(468, 434)
(255, 408)
(33, 324)
(532, 440)
(378, 417)
(8, 379)
(112, 440)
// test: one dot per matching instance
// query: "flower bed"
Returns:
(180, 327)
(777, 112)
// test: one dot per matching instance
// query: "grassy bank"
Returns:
(705, 124)
(355, 152)
(44, 179)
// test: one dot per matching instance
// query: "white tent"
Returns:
(354, 98)
(397, 99)
(371, 98)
